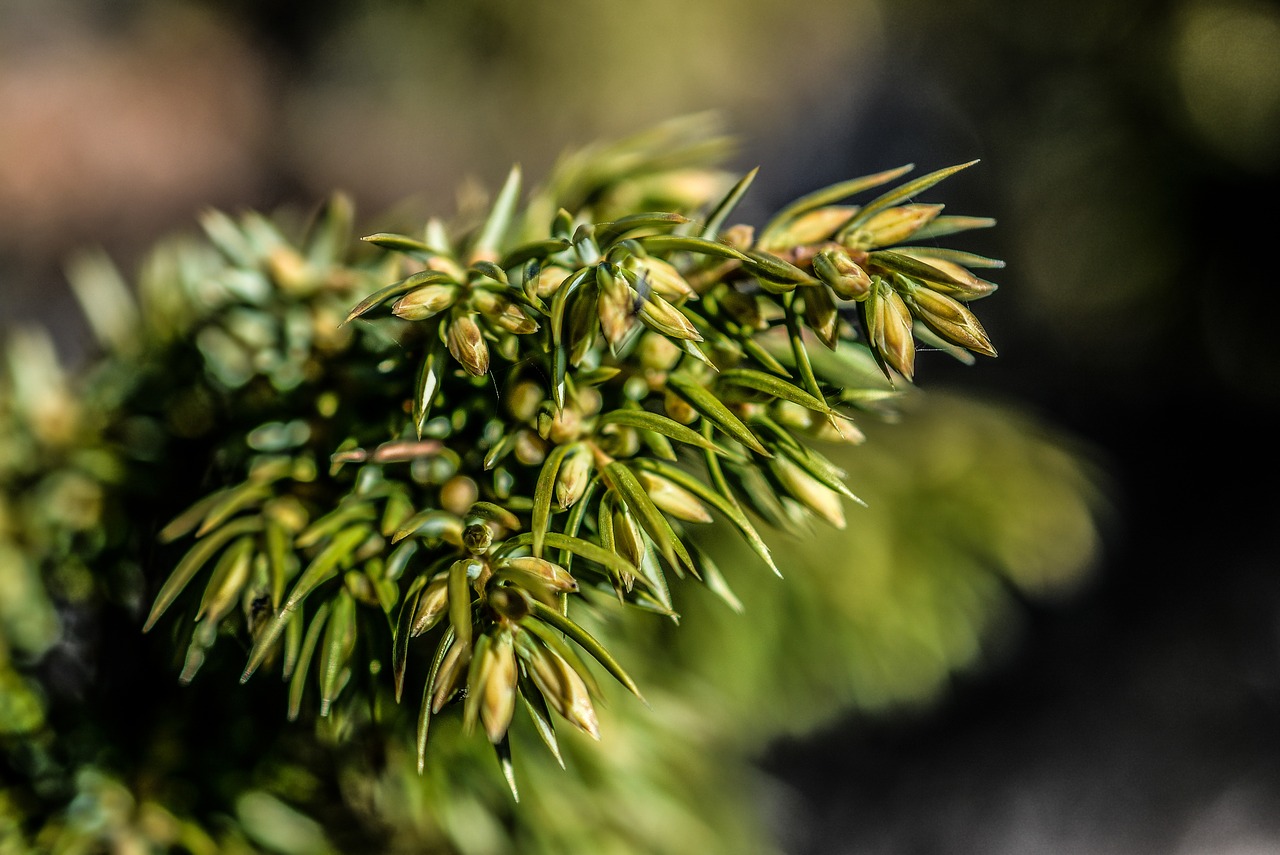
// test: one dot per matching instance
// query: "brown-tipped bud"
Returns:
(839, 271)
(674, 499)
(896, 343)
(451, 674)
(809, 491)
(615, 305)
(553, 576)
(468, 346)
(477, 537)
(571, 479)
(659, 315)
(627, 537)
(433, 605)
(951, 319)
(678, 408)
(661, 277)
(498, 694)
(821, 315)
(891, 226)
(963, 284)
(564, 689)
(425, 302)
(503, 312)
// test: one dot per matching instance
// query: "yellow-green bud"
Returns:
(571, 479)
(549, 280)
(951, 319)
(970, 287)
(891, 226)
(674, 499)
(839, 271)
(551, 575)
(821, 315)
(498, 694)
(503, 312)
(656, 352)
(433, 604)
(425, 302)
(615, 305)
(563, 688)
(627, 537)
(809, 491)
(662, 277)
(467, 345)
(659, 315)
(453, 670)
(811, 227)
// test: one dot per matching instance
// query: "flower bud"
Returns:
(951, 319)
(821, 315)
(674, 499)
(449, 677)
(659, 315)
(812, 226)
(563, 687)
(503, 312)
(896, 343)
(477, 537)
(572, 477)
(615, 305)
(467, 345)
(553, 576)
(524, 399)
(739, 236)
(433, 604)
(530, 449)
(964, 285)
(425, 302)
(627, 537)
(661, 277)
(838, 270)
(809, 491)
(498, 694)
(891, 226)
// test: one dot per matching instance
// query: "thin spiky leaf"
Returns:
(196, 557)
(711, 408)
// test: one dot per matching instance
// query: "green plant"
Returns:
(442, 481)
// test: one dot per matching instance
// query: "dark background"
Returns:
(1130, 153)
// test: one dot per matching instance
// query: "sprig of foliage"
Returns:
(444, 445)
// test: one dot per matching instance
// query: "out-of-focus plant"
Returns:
(451, 485)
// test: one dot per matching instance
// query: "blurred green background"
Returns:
(1130, 153)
